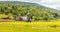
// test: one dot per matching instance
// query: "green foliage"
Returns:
(38, 11)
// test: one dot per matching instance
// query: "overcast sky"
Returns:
(49, 3)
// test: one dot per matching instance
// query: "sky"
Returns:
(48, 3)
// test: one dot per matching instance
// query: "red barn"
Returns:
(20, 18)
(5, 17)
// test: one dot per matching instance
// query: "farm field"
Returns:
(17, 26)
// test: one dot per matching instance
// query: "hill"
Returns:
(38, 12)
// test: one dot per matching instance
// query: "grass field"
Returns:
(16, 26)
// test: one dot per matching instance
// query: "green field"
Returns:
(29, 26)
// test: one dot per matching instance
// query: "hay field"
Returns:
(17, 26)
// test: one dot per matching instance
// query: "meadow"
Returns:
(20, 26)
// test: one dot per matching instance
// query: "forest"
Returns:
(38, 12)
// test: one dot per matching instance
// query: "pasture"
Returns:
(17, 26)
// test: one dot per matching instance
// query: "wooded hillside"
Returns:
(38, 12)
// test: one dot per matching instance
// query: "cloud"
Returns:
(28, 0)
(56, 7)
(5, 0)
(51, 3)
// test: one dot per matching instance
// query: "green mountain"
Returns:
(38, 12)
